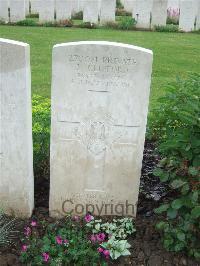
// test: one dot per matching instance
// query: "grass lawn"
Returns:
(174, 53)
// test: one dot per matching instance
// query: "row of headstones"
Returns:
(148, 13)
(16, 10)
(100, 95)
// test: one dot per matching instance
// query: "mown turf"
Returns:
(174, 53)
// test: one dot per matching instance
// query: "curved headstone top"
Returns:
(100, 95)
(16, 152)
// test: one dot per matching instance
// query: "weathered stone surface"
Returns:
(198, 16)
(63, 9)
(16, 153)
(142, 13)
(4, 10)
(46, 11)
(107, 10)
(187, 15)
(129, 5)
(159, 12)
(100, 94)
(91, 11)
(17, 10)
(35, 6)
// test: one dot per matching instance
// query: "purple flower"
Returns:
(106, 253)
(59, 240)
(27, 231)
(101, 237)
(45, 256)
(88, 218)
(24, 248)
(100, 250)
(33, 223)
(93, 238)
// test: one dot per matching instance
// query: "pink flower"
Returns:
(45, 256)
(33, 223)
(93, 238)
(88, 218)
(59, 240)
(101, 237)
(24, 248)
(100, 250)
(106, 253)
(27, 231)
(66, 241)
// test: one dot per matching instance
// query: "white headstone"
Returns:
(4, 10)
(187, 15)
(107, 10)
(129, 5)
(16, 152)
(159, 13)
(47, 11)
(17, 10)
(100, 95)
(27, 7)
(198, 17)
(35, 6)
(63, 9)
(91, 11)
(142, 13)
(75, 6)
(173, 4)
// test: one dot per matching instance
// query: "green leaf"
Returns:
(162, 208)
(177, 204)
(181, 236)
(193, 171)
(196, 212)
(177, 183)
(172, 213)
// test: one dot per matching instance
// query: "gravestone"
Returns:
(198, 17)
(27, 7)
(142, 13)
(107, 10)
(91, 11)
(4, 11)
(100, 95)
(75, 6)
(159, 13)
(35, 6)
(47, 11)
(63, 9)
(17, 10)
(16, 152)
(173, 4)
(129, 5)
(187, 15)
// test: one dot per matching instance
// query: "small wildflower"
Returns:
(106, 253)
(101, 237)
(33, 223)
(45, 256)
(24, 248)
(76, 218)
(93, 238)
(66, 242)
(100, 250)
(27, 231)
(59, 240)
(88, 218)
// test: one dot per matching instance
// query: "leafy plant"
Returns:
(26, 22)
(167, 28)
(127, 23)
(71, 242)
(175, 122)
(119, 4)
(41, 133)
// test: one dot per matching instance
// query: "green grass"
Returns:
(174, 53)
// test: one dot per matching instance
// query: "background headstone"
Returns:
(35, 6)
(107, 10)
(47, 11)
(63, 9)
(4, 11)
(16, 152)
(142, 13)
(159, 13)
(91, 11)
(129, 5)
(17, 10)
(198, 17)
(100, 95)
(187, 15)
